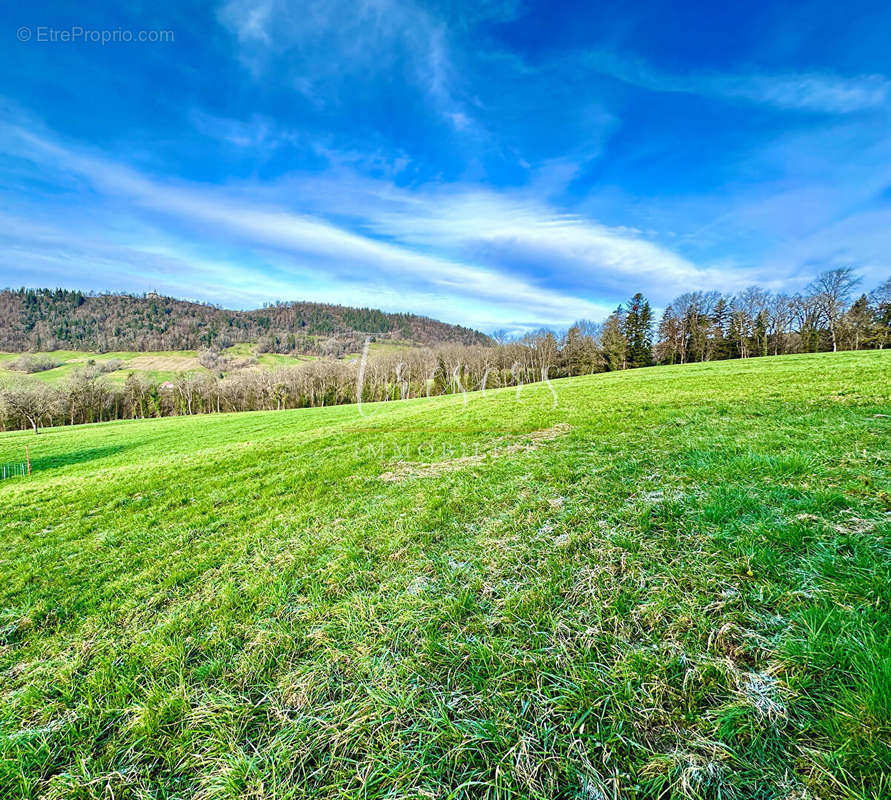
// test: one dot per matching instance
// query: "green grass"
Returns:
(75, 359)
(676, 583)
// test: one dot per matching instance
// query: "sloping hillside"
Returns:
(674, 583)
(45, 319)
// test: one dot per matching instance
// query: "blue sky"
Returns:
(498, 164)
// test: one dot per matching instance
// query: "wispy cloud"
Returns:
(463, 251)
(285, 238)
(516, 230)
(563, 250)
(808, 91)
(254, 132)
(324, 44)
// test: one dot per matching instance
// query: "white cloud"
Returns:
(323, 43)
(809, 91)
(254, 132)
(285, 238)
(462, 252)
(516, 230)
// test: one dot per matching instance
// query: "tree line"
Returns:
(704, 326)
(58, 319)
(696, 326)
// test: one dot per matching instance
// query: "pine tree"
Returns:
(646, 327)
(614, 342)
(720, 321)
(638, 330)
(859, 324)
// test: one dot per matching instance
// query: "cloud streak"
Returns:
(505, 248)
(821, 92)
(325, 44)
(311, 242)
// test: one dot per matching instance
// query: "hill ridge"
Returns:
(55, 319)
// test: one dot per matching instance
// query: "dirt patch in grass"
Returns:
(406, 470)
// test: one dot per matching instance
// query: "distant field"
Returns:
(676, 583)
(163, 365)
(158, 366)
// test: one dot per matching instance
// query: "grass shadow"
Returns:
(56, 461)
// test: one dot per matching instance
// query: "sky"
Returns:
(498, 164)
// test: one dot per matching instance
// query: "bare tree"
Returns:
(880, 299)
(806, 317)
(780, 313)
(831, 291)
(137, 391)
(32, 400)
(669, 343)
(87, 395)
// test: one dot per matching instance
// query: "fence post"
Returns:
(28, 458)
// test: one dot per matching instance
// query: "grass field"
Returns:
(676, 583)
(164, 365)
(155, 366)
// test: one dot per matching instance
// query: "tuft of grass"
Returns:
(685, 593)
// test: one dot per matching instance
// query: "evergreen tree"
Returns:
(638, 330)
(719, 325)
(613, 342)
(859, 324)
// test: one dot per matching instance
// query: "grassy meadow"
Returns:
(154, 366)
(675, 583)
(160, 365)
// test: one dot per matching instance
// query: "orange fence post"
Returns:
(28, 458)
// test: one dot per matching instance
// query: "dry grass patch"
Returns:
(406, 470)
(164, 363)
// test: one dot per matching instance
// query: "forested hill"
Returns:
(52, 319)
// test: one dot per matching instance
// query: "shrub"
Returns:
(112, 365)
(30, 364)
